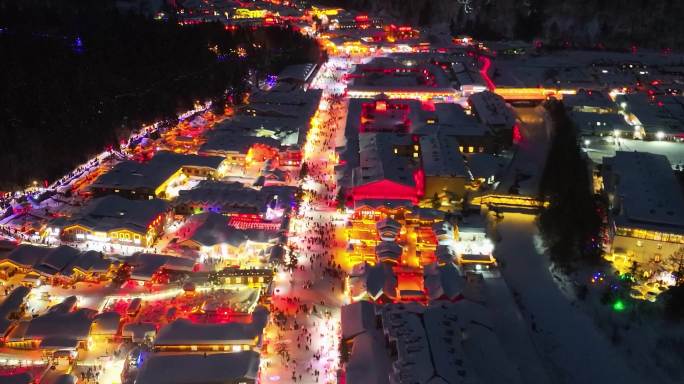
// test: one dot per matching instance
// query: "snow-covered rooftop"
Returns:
(441, 156)
(199, 369)
(150, 175)
(378, 161)
(647, 189)
(492, 110)
(185, 332)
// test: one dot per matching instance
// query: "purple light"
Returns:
(271, 80)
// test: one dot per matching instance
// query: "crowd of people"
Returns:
(305, 309)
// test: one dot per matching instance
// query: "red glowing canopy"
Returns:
(385, 190)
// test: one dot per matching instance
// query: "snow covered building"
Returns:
(411, 343)
(240, 150)
(145, 266)
(270, 202)
(182, 335)
(443, 166)
(646, 209)
(62, 327)
(114, 220)
(228, 368)
(492, 111)
(660, 117)
(443, 282)
(136, 180)
(594, 113)
(12, 308)
(213, 237)
(62, 264)
(387, 169)
(373, 282)
(590, 101)
(388, 76)
(297, 74)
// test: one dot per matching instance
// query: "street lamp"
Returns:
(660, 135)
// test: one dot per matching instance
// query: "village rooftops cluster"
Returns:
(433, 344)
(146, 178)
(61, 262)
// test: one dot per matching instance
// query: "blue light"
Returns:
(78, 45)
(271, 80)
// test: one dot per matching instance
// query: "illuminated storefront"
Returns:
(415, 235)
(446, 95)
(120, 236)
(533, 93)
(246, 13)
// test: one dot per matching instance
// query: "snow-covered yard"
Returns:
(574, 348)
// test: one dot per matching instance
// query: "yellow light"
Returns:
(250, 156)
(245, 13)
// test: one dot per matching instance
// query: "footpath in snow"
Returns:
(576, 351)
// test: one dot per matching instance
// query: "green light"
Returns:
(618, 306)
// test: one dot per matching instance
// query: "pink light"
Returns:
(486, 63)
(517, 135)
(419, 178)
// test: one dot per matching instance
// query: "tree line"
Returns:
(571, 225)
(78, 75)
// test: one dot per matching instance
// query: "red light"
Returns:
(361, 18)
(486, 63)
(655, 82)
(419, 178)
(428, 106)
(517, 135)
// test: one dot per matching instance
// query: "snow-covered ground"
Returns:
(530, 153)
(598, 148)
(513, 333)
(649, 343)
(574, 348)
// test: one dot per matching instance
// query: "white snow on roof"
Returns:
(357, 318)
(368, 363)
(441, 156)
(185, 332)
(647, 189)
(443, 342)
(491, 109)
(379, 162)
(199, 369)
